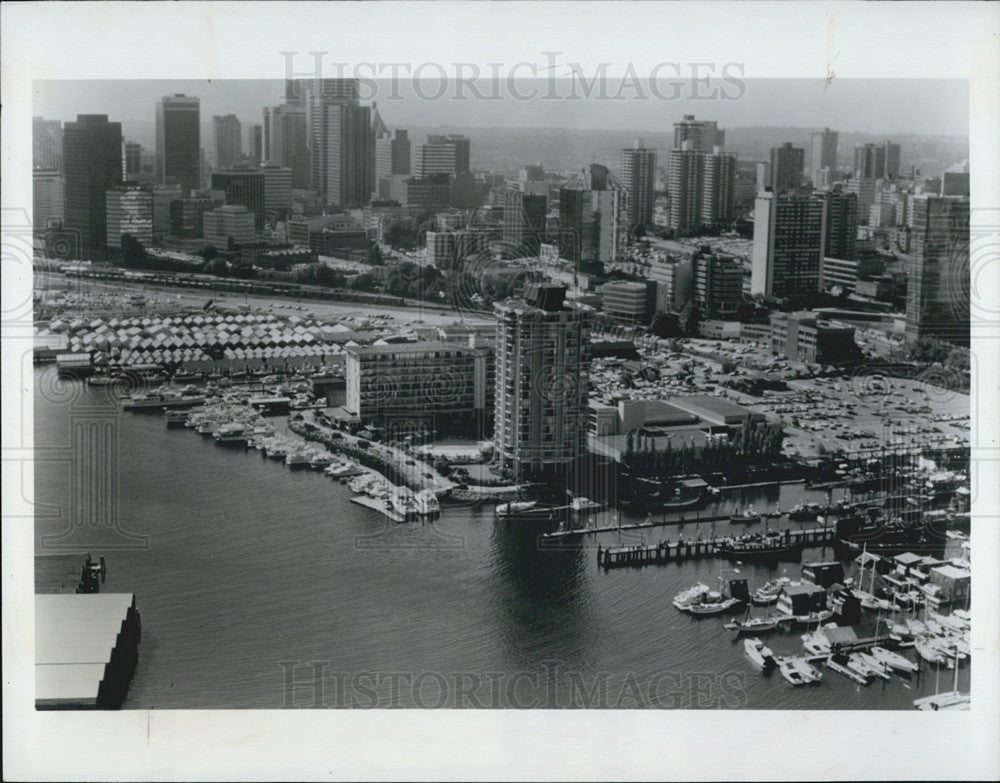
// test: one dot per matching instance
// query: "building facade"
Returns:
(789, 234)
(229, 223)
(542, 350)
(178, 141)
(92, 164)
(638, 178)
(130, 211)
(787, 167)
(228, 134)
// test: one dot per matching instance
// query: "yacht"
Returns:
(893, 659)
(876, 667)
(794, 673)
(298, 458)
(233, 434)
(768, 593)
(684, 599)
(712, 602)
(759, 653)
(816, 642)
(320, 460)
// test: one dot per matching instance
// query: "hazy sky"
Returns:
(874, 106)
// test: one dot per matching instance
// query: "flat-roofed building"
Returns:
(631, 302)
(441, 383)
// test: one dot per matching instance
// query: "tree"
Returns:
(375, 254)
(689, 319)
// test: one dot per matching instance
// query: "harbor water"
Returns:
(262, 587)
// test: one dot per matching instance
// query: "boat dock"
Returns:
(667, 551)
(379, 505)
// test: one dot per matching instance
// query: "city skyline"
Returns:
(889, 106)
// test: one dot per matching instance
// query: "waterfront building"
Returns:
(46, 143)
(442, 384)
(593, 217)
(129, 211)
(638, 174)
(787, 167)
(541, 381)
(228, 140)
(229, 223)
(937, 298)
(789, 235)
(92, 164)
(822, 153)
(523, 223)
(178, 141)
(48, 198)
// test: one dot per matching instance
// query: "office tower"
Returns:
(187, 214)
(130, 211)
(638, 173)
(441, 155)
(229, 223)
(673, 283)
(163, 197)
(718, 284)
(787, 163)
(466, 191)
(48, 198)
(533, 172)
(246, 187)
(685, 179)
(542, 379)
(277, 192)
(243, 186)
(823, 152)
(178, 141)
(744, 186)
(228, 140)
(703, 134)
(593, 217)
(718, 187)
(392, 160)
(431, 193)
(955, 181)
(892, 155)
(341, 143)
(46, 143)
(629, 301)
(864, 189)
(255, 144)
(285, 140)
(92, 163)
(763, 176)
(789, 235)
(133, 159)
(523, 223)
(841, 223)
(937, 294)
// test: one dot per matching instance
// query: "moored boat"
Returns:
(759, 653)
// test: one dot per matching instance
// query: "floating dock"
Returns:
(382, 506)
(668, 551)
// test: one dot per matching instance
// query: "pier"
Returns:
(669, 551)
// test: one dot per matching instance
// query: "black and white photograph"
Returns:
(382, 378)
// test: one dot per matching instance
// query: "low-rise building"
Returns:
(804, 337)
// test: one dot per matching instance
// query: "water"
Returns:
(255, 575)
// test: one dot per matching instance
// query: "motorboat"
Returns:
(816, 642)
(759, 653)
(712, 602)
(768, 593)
(233, 434)
(754, 624)
(320, 460)
(684, 599)
(929, 653)
(298, 458)
(748, 517)
(798, 671)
